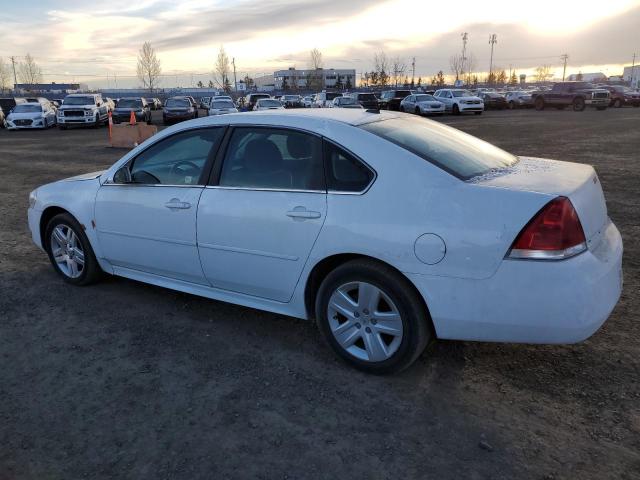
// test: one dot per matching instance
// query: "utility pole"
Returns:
(464, 51)
(15, 78)
(413, 70)
(235, 80)
(493, 39)
(564, 57)
(633, 70)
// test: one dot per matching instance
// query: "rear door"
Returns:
(259, 219)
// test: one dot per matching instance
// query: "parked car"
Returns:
(31, 115)
(111, 105)
(345, 102)
(154, 103)
(204, 103)
(324, 99)
(268, 104)
(88, 109)
(421, 104)
(221, 107)
(366, 99)
(390, 99)
(194, 104)
(177, 109)
(440, 243)
(307, 101)
(137, 105)
(493, 100)
(291, 101)
(3, 119)
(518, 99)
(578, 95)
(8, 103)
(252, 98)
(619, 96)
(459, 101)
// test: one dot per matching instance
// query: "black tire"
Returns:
(512, 105)
(401, 108)
(91, 271)
(417, 111)
(416, 322)
(539, 103)
(455, 109)
(96, 122)
(617, 103)
(579, 104)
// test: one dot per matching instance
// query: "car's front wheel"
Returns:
(455, 109)
(70, 252)
(372, 317)
(578, 104)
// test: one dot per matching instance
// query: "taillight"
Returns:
(554, 233)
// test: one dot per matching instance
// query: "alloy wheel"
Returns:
(67, 251)
(365, 321)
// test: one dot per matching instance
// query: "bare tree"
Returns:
(381, 63)
(543, 73)
(469, 64)
(5, 76)
(29, 71)
(314, 80)
(398, 68)
(456, 62)
(222, 69)
(148, 68)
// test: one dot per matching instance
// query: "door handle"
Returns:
(175, 203)
(302, 213)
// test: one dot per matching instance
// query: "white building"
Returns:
(319, 79)
(264, 83)
(632, 75)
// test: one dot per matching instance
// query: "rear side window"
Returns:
(458, 153)
(273, 158)
(344, 172)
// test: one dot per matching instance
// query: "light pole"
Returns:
(493, 39)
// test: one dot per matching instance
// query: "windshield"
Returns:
(177, 102)
(425, 98)
(267, 102)
(79, 101)
(332, 95)
(130, 103)
(367, 97)
(27, 108)
(222, 104)
(458, 153)
(461, 93)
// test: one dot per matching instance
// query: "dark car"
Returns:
(124, 107)
(252, 98)
(619, 95)
(579, 95)
(390, 99)
(367, 100)
(493, 100)
(177, 109)
(8, 103)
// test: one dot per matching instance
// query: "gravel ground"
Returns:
(126, 380)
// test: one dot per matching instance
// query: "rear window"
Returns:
(456, 152)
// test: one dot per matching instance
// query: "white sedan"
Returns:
(222, 107)
(31, 115)
(459, 101)
(390, 231)
(421, 104)
(268, 104)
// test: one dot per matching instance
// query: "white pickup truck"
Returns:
(83, 109)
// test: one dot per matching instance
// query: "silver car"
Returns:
(421, 104)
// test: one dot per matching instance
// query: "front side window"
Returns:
(177, 160)
(272, 158)
(344, 172)
(458, 153)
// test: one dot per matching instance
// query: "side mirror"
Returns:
(122, 175)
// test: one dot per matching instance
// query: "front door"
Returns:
(258, 223)
(149, 224)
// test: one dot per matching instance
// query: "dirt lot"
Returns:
(125, 380)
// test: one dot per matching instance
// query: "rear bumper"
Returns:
(530, 301)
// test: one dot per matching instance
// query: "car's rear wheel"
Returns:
(372, 317)
(455, 109)
(617, 103)
(578, 104)
(512, 105)
(417, 111)
(70, 252)
(539, 103)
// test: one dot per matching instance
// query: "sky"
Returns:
(97, 42)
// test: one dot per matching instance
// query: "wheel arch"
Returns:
(325, 266)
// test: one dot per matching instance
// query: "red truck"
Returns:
(578, 95)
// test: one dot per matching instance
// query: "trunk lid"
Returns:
(576, 181)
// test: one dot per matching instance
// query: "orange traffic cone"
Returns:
(132, 118)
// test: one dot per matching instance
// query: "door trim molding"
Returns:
(146, 237)
(247, 251)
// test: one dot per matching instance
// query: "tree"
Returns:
(456, 63)
(348, 85)
(222, 68)
(542, 73)
(468, 65)
(419, 84)
(29, 71)
(579, 77)
(315, 65)
(381, 64)
(5, 78)
(501, 77)
(514, 79)
(200, 84)
(210, 84)
(398, 68)
(474, 80)
(248, 81)
(149, 68)
(375, 79)
(440, 79)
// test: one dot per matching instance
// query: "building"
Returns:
(588, 77)
(314, 79)
(632, 75)
(51, 87)
(264, 83)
